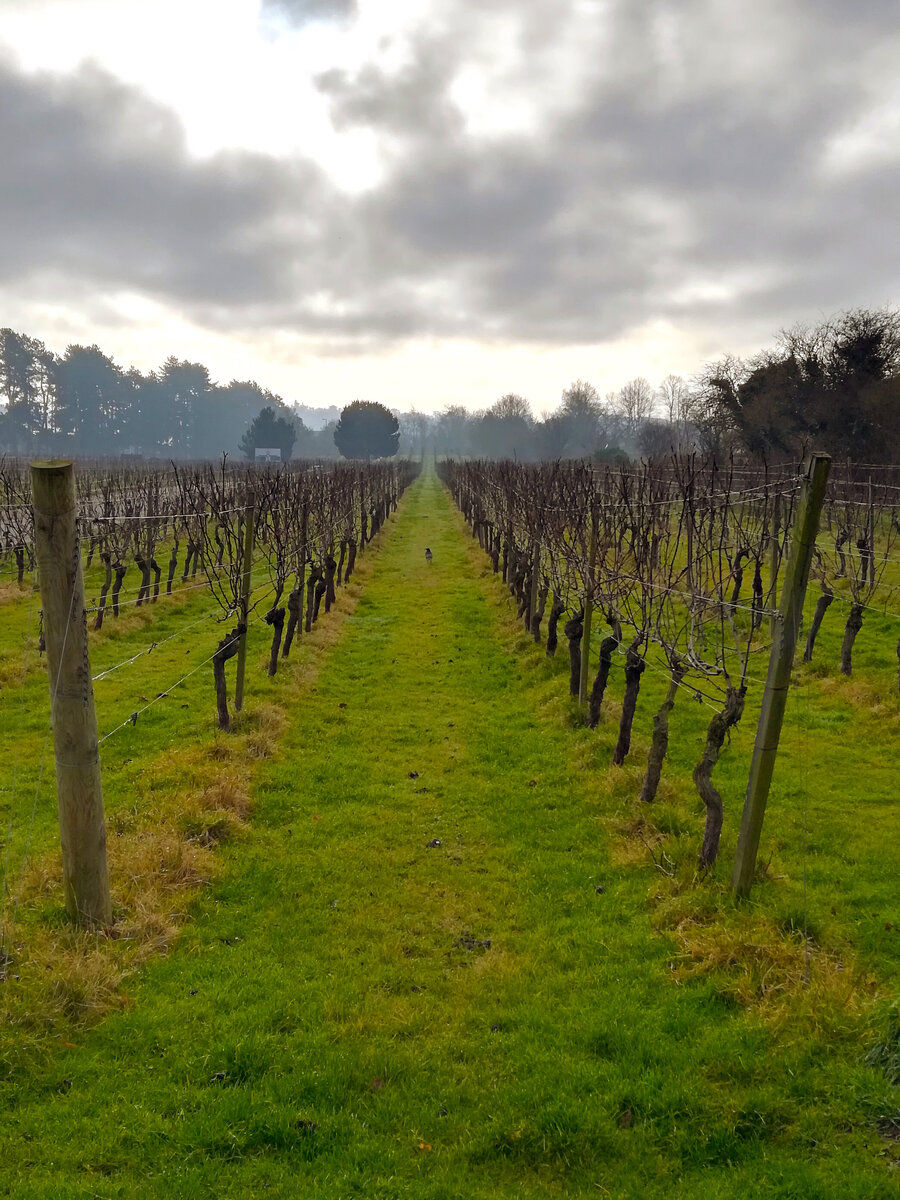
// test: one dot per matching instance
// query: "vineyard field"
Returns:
(404, 930)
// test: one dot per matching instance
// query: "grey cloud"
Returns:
(666, 161)
(98, 184)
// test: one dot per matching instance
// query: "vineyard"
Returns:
(438, 846)
(245, 540)
(195, 523)
(681, 560)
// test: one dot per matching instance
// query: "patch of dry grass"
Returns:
(11, 590)
(776, 972)
(772, 969)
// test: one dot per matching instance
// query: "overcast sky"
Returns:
(440, 201)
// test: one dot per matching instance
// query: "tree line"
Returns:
(82, 403)
(835, 386)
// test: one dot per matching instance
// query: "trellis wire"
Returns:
(132, 718)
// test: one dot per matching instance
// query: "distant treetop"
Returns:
(269, 431)
(367, 430)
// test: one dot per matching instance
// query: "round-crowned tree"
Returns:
(367, 430)
(272, 431)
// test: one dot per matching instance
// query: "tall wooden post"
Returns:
(778, 679)
(588, 613)
(244, 611)
(79, 792)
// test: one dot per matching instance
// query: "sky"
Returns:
(433, 202)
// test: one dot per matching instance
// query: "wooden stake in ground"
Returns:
(778, 679)
(81, 825)
(244, 610)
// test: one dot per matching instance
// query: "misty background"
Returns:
(834, 386)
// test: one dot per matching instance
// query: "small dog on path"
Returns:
(428, 555)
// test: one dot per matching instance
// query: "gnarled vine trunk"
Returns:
(574, 631)
(758, 595)
(737, 575)
(851, 629)
(634, 669)
(294, 605)
(105, 559)
(315, 576)
(557, 609)
(822, 604)
(341, 560)
(120, 570)
(173, 563)
(321, 590)
(607, 650)
(539, 613)
(330, 568)
(144, 590)
(595, 703)
(716, 733)
(659, 743)
(275, 618)
(227, 648)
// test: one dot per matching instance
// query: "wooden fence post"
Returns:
(244, 610)
(588, 613)
(778, 679)
(79, 792)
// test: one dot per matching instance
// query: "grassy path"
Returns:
(422, 976)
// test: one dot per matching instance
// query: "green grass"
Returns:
(443, 963)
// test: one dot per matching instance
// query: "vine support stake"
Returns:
(778, 678)
(73, 718)
(244, 611)
(588, 613)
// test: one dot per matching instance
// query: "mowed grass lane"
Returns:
(422, 976)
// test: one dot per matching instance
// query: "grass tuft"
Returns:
(885, 1054)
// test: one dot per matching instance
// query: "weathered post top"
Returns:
(52, 486)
